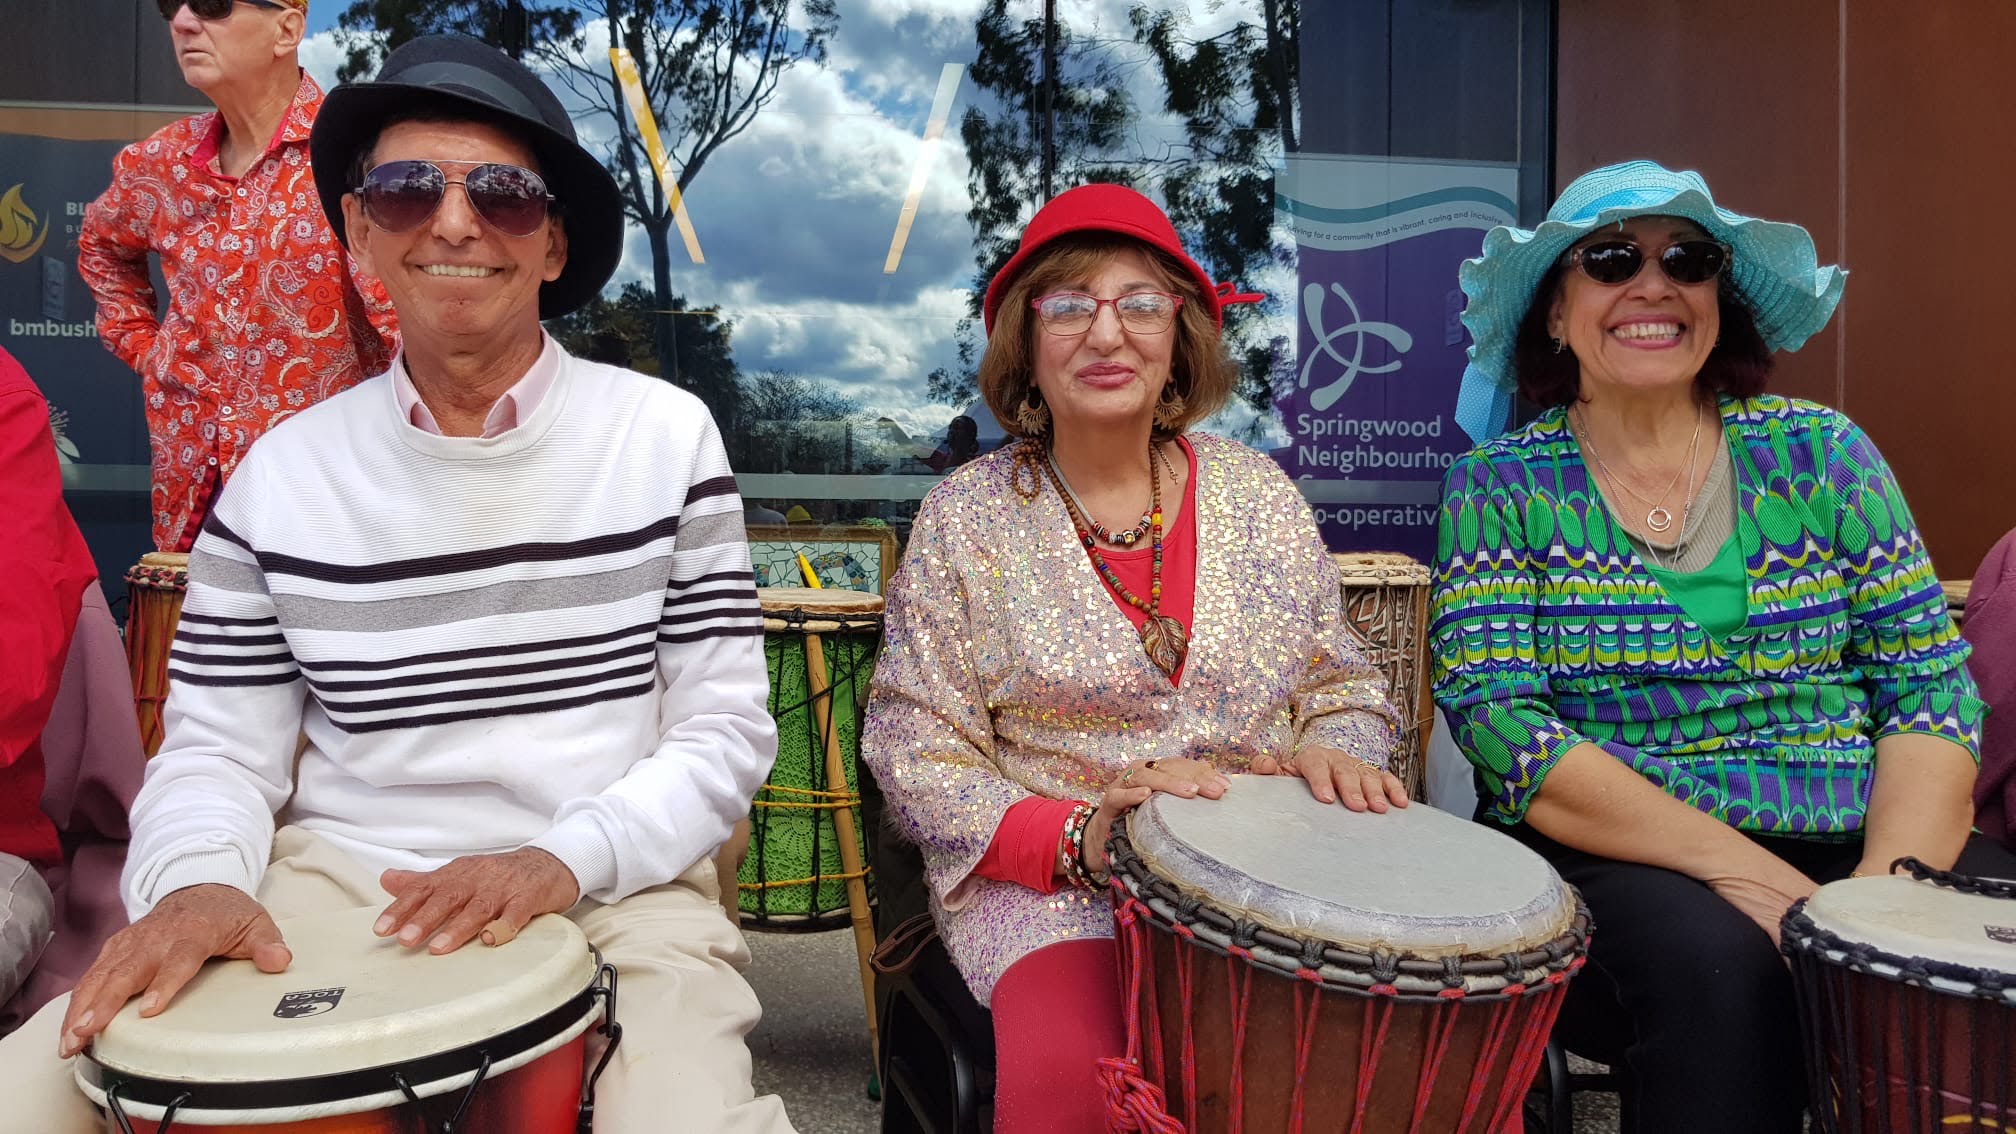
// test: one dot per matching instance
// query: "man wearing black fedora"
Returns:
(472, 642)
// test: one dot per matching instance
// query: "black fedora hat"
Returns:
(447, 73)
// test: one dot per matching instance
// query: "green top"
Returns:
(1717, 597)
(1549, 630)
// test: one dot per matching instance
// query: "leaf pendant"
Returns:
(1166, 641)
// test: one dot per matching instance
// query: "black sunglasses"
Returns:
(209, 9)
(399, 196)
(1615, 262)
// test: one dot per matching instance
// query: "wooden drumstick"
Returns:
(816, 677)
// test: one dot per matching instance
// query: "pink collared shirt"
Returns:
(513, 406)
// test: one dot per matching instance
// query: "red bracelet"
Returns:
(1073, 848)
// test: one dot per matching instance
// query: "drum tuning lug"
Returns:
(612, 1029)
(118, 1110)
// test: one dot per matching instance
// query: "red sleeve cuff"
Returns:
(1024, 849)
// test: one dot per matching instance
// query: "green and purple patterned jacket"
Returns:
(1547, 630)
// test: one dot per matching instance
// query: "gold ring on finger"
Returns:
(1127, 777)
(1364, 763)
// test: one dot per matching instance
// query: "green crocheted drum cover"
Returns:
(795, 876)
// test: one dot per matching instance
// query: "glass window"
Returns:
(849, 172)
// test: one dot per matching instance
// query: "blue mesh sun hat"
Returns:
(1775, 267)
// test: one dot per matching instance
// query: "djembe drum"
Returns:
(1386, 604)
(1907, 1000)
(363, 1036)
(807, 860)
(819, 646)
(1290, 965)
(154, 588)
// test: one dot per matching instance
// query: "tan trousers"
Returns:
(685, 1009)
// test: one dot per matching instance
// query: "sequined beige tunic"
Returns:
(1008, 671)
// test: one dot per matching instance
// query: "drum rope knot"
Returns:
(1385, 966)
(1452, 971)
(1132, 1102)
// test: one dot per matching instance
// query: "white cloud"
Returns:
(795, 216)
(320, 56)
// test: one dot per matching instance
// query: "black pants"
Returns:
(1686, 998)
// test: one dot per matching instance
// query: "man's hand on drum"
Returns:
(491, 895)
(1179, 776)
(1333, 775)
(155, 956)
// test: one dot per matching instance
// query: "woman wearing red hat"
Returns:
(1111, 607)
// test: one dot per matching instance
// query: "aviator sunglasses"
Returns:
(1615, 262)
(210, 9)
(399, 196)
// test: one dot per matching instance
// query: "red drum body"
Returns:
(1294, 966)
(362, 1036)
(1907, 998)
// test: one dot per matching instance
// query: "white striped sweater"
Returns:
(548, 638)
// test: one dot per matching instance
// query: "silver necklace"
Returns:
(1686, 513)
(1659, 518)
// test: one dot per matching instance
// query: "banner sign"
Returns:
(1379, 336)
(47, 316)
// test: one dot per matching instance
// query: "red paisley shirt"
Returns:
(266, 314)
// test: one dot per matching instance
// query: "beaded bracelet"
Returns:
(1073, 847)
(1092, 881)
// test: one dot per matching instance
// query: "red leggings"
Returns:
(1056, 1011)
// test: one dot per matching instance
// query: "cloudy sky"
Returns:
(796, 215)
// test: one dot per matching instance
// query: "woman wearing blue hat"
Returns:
(1686, 631)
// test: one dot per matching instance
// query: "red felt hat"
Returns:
(1116, 209)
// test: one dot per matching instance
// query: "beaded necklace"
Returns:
(1164, 638)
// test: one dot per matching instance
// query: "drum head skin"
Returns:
(1907, 918)
(1414, 879)
(348, 1002)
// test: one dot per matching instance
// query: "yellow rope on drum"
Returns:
(802, 881)
(840, 799)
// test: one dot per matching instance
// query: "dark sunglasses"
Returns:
(210, 9)
(1615, 262)
(399, 196)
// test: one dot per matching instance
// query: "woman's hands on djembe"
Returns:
(1334, 775)
(155, 956)
(1142, 778)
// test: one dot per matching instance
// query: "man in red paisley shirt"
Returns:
(266, 313)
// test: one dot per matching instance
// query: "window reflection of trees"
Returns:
(707, 68)
(1227, 115)
(1197, 116)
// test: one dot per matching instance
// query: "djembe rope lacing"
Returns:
(1844, 1090)
(1142, 901)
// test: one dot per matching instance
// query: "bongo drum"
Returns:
(363, 1036)
(1386, 603)
(1291, 965)
(1907, 1000)
(820, 648)
(154, 589)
